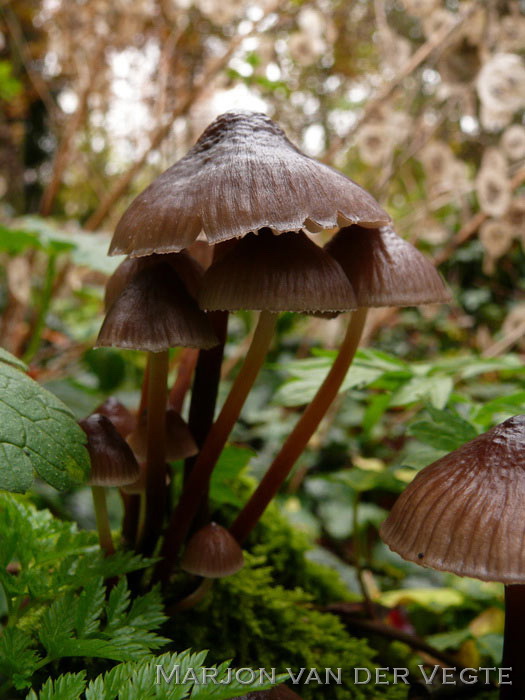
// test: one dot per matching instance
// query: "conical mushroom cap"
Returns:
(286, 272)
(242, 175)
(213, 553)
(112, 461)
(464, 513)
(123, 420)
(155, 312)
(386, 270)
(188, 270)
(179, 441)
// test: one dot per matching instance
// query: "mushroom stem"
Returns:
(514, 642)
(187, 363)
(102, 518)
(205, 386)
(302, 432)
(198, 481)
(156, 451)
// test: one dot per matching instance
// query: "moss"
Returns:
(265, 616)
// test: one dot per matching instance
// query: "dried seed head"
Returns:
(501, 83)
(463, 513)
(286, 272)
(242, 175)
(386, 270)
(496, 237)
(155, 312)
(513, 142)
(213, 553)
(112, 461)
(179, 441)
(494, 192)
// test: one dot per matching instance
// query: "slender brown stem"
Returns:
(188, 361)
(102, 517)
(198, 481)
(302, 432)
(193, 598)
(155, 451)
(206, 385)
(514, 643)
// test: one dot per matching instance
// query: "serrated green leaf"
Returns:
(447, 430)
(17, 655)
(37, 433)
(118, 603)
(12, 360)
(89, 608)
(70, 686)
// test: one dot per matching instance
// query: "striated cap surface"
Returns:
(285, 272)
(464, 512)
(212, 552)
(243, 174)
(155, 312)
(386, 270)
(112, 461)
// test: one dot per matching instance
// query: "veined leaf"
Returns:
(38, 434)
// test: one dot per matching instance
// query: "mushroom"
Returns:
(179, 440)
(242, 175)
(112, 464)
(212, 553)
(123, 420)
(383, 270)
(464, 514)
(270, 273)
(154, 310)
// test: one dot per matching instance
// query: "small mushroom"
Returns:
(123, 420)
(212, 553)
(112, 464)
(242, 175)
(464, 514)
(179, 440)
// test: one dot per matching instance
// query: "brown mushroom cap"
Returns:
(123, 420)
(285, 272)
(213, 553)
(179, 441)
(112, 461)
(155, 312)
(242, 175)
(186, 267)
(464, 512)
(386, 270)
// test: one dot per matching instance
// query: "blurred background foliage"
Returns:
(421, 102)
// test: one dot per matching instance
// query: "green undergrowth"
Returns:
(269, 615)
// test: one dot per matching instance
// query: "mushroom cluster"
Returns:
(253, 196)
(464, 514)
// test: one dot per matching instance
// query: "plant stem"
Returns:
(187, 363)
(302, 432)
(198, 481)
(43, 308)
(514, 642)
(206, 386)
(102, 517)
(155, 451)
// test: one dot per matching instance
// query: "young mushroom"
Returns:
(383, 269)
(464, 514)
(212, 553)
(154, 310)
(112, 464)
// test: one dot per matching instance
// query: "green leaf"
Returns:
(37, 433)
(230, 464)
(12, 360)
(89, 608)
(70, 686)
(447, 431)
(450, 640)
(436, 389)
(17, 657)
(491, 645)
